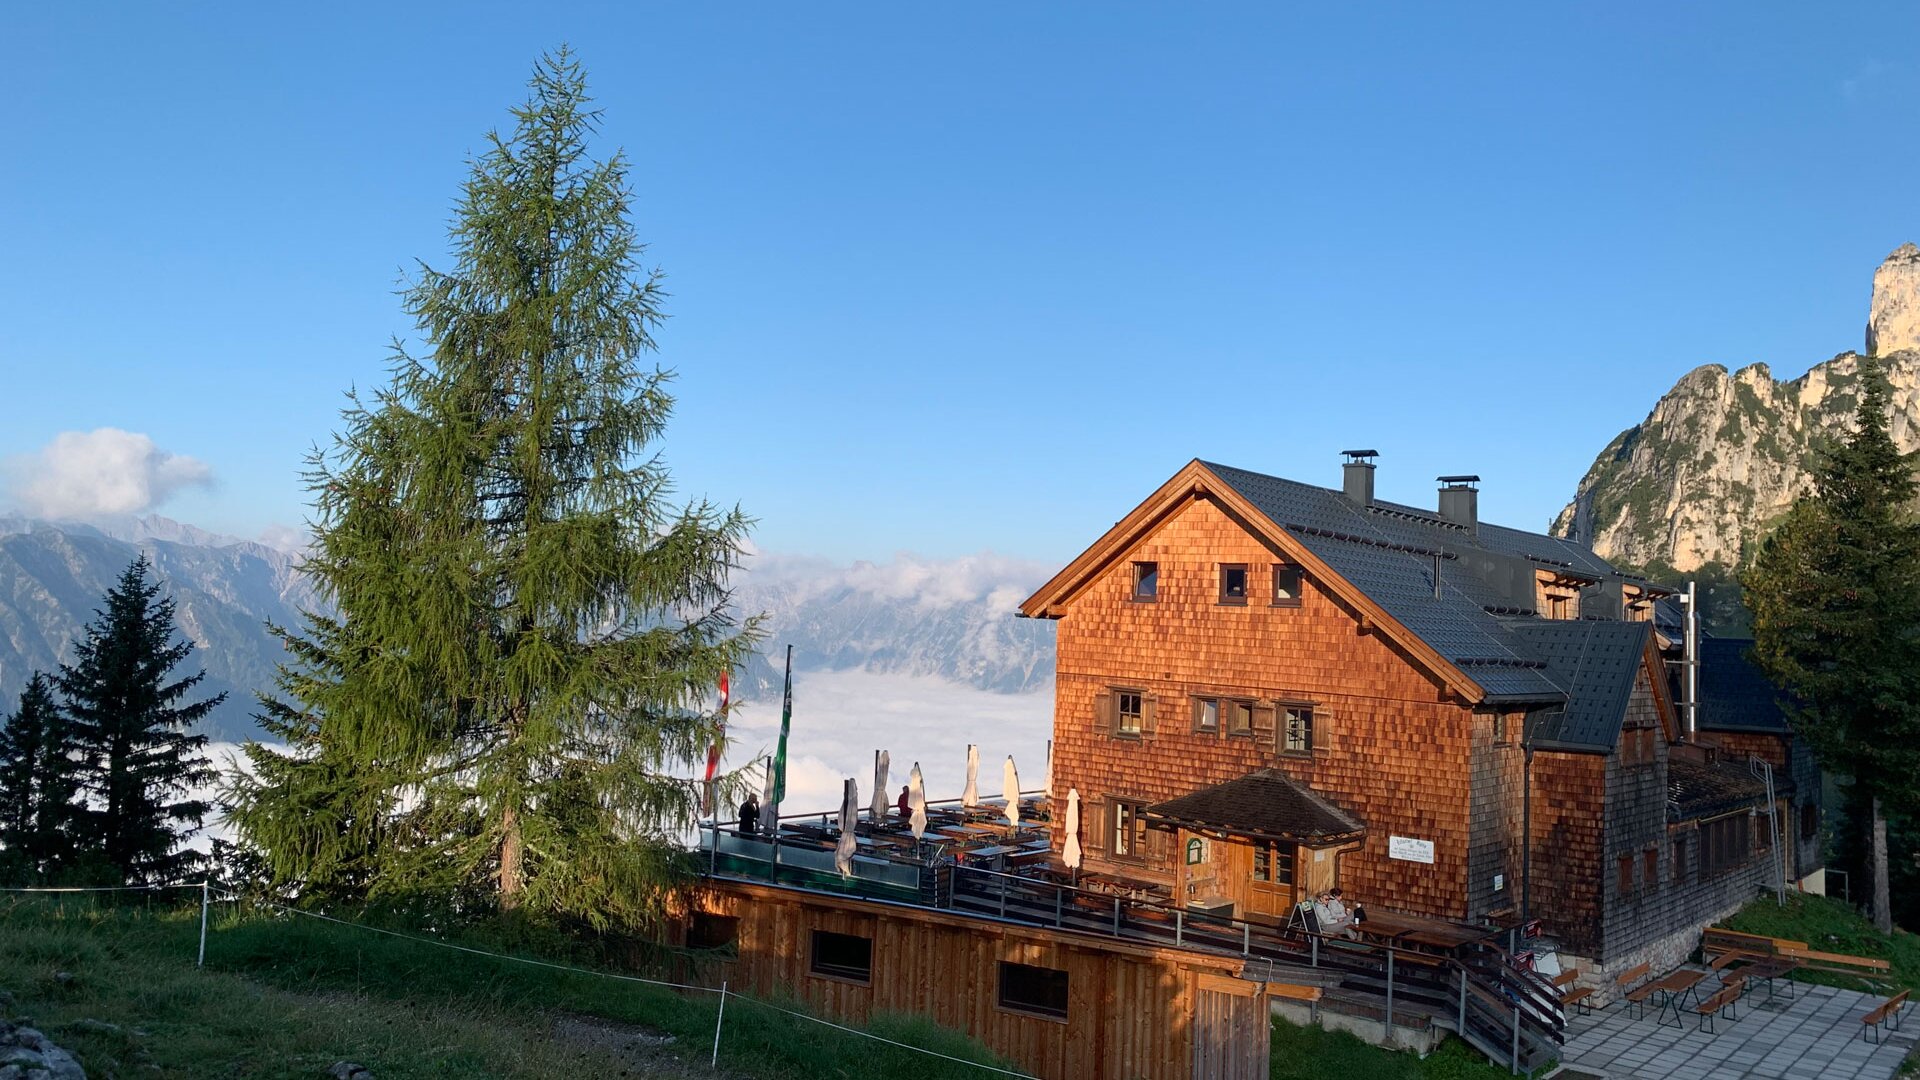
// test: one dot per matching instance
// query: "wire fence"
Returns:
(211, 891)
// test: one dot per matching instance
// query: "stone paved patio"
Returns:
(1816, 1034)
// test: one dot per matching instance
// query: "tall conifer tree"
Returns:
(1835, 596)
(527, 629)
(39, 788)
(130, 721)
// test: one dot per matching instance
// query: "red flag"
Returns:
(713, 755)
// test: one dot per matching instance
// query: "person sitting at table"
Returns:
(750, 814)
(1333, 915)
(906, 803)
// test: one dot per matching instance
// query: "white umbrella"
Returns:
(917, 802)
(1047, 784)
(1010, 790)
(769, 813)
(881, 760)
(1071, 853)
(971, 796)
(849, 813)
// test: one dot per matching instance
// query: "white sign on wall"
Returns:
(1405, 847)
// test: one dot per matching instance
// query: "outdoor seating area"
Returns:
(1736, 1030)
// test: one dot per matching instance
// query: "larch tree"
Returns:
(130, 718)
(527, 631)
(39, 788)
(1835, 596)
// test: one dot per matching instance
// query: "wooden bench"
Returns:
(1724, 998)
(1309, 994)
(1885, 1016)
(1715, 940)
(1629, 981)
(1735, 956)
(1872, 970)
(1575, 997)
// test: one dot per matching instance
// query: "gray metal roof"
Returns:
(1392, 552)
(1734, 695)
(1596, 662)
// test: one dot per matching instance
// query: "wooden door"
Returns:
(1230, 1029)
(1272, 880)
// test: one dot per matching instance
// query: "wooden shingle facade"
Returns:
(1446, 717)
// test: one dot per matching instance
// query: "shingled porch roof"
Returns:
(1266, 805)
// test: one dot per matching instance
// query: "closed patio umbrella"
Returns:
(1047, 784)
(1010, 790)
(849, 813)
(1070, 854)
(878, 814)
(769, 813)
(917, 802)
(971, 796)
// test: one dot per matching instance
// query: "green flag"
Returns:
(786, 723)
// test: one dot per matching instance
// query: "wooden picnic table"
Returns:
(1404, 928)
(1676, 989)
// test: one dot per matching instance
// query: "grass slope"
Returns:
(1830, 925)
(1311, 1053)
(284, 997)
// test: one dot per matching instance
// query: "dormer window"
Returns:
(1233, 583)
(1286, 586)
(1146, 582)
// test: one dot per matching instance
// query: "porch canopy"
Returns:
(1266, 806)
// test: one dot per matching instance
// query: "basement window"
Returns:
(1233, 583)
(842, 956)
(709, 931)
(1036, 991)
(1146, 582)
(1286, 586)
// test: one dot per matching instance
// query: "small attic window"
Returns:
(1286, 586)
(1233, 583)
(1146, 582)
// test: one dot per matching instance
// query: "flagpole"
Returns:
(780, 765)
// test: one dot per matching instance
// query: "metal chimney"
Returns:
(1357, 475)
(1460, 502)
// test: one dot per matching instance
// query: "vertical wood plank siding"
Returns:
(1393, 743)
(1130, 1009)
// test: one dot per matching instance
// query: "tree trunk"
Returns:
(512, 845)
(1882, 902)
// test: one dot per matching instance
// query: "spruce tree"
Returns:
(130, 721)
(1835, 596)
(39, 790)
(528, 629)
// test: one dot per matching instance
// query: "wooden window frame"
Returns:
(1120, 714)
(1200, 705)
(1148, 573)
(1678, 841)
(1650, 865)
(1281, 866)
(1245, 578)
(712, 930)
(1501, 737)
(1625, 876)
(1283, 728)
(1136, 841)
(1031, 1006)
(838, 972)
(1233, 707)
(1726, 843)
(1284, 571)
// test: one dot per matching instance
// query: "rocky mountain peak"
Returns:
(1893, 318)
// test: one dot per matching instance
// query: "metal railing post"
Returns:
(1179, 927)
(1003, 898)
(718, 1018)
(1389, 995)
(1057, 894)
(202, 962)
(1246, 939)
(1313, 946)
(1463, 1003)
(1116, 915)
(1514, 1064)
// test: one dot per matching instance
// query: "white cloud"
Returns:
(92, 474)
(841, 717)
(288, 538)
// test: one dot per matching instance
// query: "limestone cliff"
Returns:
(1693, 486)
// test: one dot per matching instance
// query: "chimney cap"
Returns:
(1360, 455)
(1458, 481)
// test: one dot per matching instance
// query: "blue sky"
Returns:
(973, 276)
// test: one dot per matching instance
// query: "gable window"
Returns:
(1206, 715)
(1233, 583)
(841, 956)
(1272, 866)
(1499, 728)
(1129, 830)
(1286, 586)
(1296, 729)
(1146, 582)
(1038, 991)
(1239, 717)
(1129, 708)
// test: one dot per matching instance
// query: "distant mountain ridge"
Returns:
(951, 619)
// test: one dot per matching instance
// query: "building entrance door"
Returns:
(1272, 880)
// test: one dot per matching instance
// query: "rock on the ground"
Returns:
(348, 1070)
(27, 1054)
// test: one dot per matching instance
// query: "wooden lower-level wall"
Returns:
(1130, 1010)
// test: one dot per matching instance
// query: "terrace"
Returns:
(1409, 975)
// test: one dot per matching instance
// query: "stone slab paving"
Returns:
(1815, 1034)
